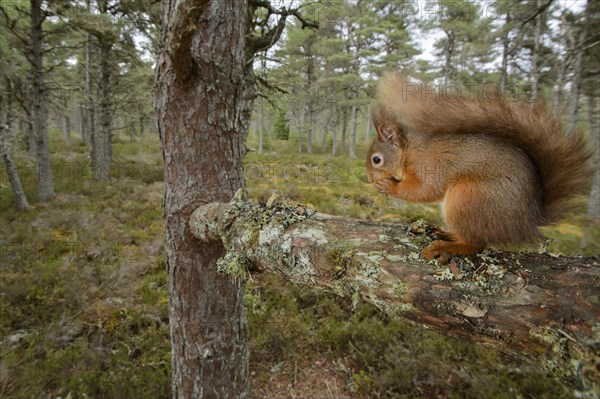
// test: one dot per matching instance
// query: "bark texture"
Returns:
(594, 120)
(533, 306)
(40, 111)
(102, 137)
(203, 102)
(7, 138)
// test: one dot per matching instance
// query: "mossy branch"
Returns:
(524, 304)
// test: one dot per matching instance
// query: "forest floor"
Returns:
(83, 293)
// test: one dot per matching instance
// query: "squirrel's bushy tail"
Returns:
(562, 161)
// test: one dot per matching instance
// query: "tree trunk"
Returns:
(83, 132)
(67, 129)
(527, 305)
(334, 130)
(7, 138)
(309, 132)
(368, 127)
(505, 53)
(142, 125)
(344, 128)
(40, 112)
(102, 138)
(558, 87)
(448, 52)
(594, 119)
(578, 47)
(15, 183)
(261, 128)
(300, 127)
(352, 151)
(324, 128)
(31, 140)
(204, 95)
(90, 109)
(535, 57)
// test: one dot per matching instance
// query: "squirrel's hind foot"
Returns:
(444, 250)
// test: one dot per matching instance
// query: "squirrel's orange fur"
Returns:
(499, 169)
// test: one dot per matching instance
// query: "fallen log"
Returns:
(535, 306)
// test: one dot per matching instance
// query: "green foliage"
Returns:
(281, 126)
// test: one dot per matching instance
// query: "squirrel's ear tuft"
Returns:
(388, 133)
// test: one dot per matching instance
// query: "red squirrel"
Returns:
(499, 169)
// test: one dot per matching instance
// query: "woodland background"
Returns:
(83, 299)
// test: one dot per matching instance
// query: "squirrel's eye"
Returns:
(376, 160)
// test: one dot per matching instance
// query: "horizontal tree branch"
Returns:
(524, 304)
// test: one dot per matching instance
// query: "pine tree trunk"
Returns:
(83, 132)
(142, 125)
(7, 138)
(103, 135)
(535, 59)
(203, 99)
(15, 183)
(448, 52)
(344, 128)
(90, 109)
(368, 127)
(67, 129)
(301, 125)
(309, 134)
(594, 119)
(573, 107)
(31, 140)
(39, 110)
(323, 129)
(505, 53)
(334, 130)
(352, 151)
(310, 124)
(261, 128)
(558, 88)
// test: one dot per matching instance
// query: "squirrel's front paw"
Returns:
(385, 186)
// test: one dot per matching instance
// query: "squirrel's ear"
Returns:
(388, 133)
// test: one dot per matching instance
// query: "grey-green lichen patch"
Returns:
(400, 289)
(369, 264)
(403, 241)
(313, 234)
(259, 229)
(259, 216)
(444, 274)
(571, 360)
(268, 234)
(234, 264)
(405, 259)
(384, 238)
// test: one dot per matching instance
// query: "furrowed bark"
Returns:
(203, 100)
(532, 306)
(39, 107)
